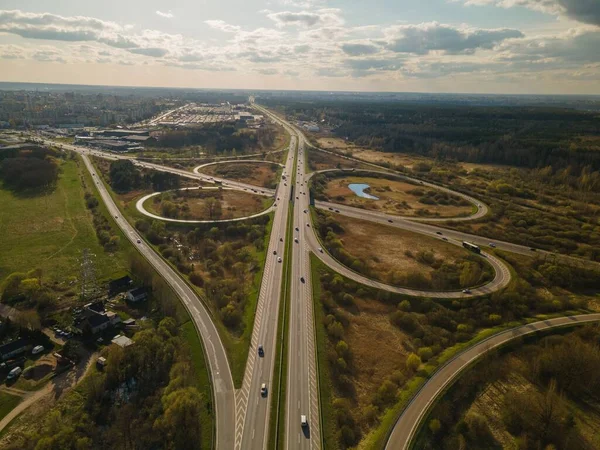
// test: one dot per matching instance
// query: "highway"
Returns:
(222, 382)
(253, 408)
(408, 422)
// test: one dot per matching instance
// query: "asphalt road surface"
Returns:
(415, 412)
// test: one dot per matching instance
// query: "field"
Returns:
(318, 160)
(258, 174)
(385, 248)
(400, 257)
(397, 197)
(200, 204)
(50, 231)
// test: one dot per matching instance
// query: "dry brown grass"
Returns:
(397, 200)
(383, 248)
(258, 174)
(378, 348)
(234, 204)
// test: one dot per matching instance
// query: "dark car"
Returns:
(390, 221)
(302, 279)
(261, 351)
(438, 232)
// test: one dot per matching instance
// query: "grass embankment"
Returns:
(7, 403)
(50, 230)
(328, 425)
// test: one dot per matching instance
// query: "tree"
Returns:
(413, 362)
(180, 420)
(434, 426)
(212, 207)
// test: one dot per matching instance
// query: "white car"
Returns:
(320, 250)
(279, 259)
(492, 245)
(263, 389)
(466, 291)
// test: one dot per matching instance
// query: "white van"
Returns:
(14, 373)
(37, 349)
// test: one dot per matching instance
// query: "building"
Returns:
(119, 285)
(14, 348)
(137, 295)
(97, 306)
(122, 341)
(94, 323)
(139, 139)
(113, 317)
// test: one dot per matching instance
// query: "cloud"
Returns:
(268, 71)
(585, 11)
(222, 26)
(359, 49)
(166, 15)
(427, 37)
(322, 17)
(154, 52)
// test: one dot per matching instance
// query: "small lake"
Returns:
(359, 189)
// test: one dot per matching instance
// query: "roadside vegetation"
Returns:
(399, 257)
(364, 386)
(258, 174)
(320, 161)
(223, 262)
(206, 204)
(394, 196)
(537, 393)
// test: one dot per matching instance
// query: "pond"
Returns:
(359, 189)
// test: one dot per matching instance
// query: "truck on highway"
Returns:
(472, 247)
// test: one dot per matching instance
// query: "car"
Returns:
(263, 389)
(280, 239)
(274, 252)
(303, 421)
(308, 224)
(116, 217)
(279, 259)
(492, 245)
(37, 349)
(285, 184)
(296, 240)
(139, 241)
(297, 197)
(466, 291)
(390, 221)
(444, 239)
(306, 210)
(438, 232)
(330, 209)
(14, 373)
(275, 204)
(277, 198)
(337, 210)
(297, 229)
(302, 279)
(261, 351)
(320, 250)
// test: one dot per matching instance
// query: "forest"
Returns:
(29, 169)
(218, 138)
(520, 136)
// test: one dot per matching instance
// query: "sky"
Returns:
(470, 46)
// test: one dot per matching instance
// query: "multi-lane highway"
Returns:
(252, 406)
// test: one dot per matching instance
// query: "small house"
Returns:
(137, 295)
(122, 341)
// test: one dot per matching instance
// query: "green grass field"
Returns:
(49, 231)
(7, 403)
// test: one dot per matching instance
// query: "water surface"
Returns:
(359, 189)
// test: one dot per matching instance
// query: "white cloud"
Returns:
(322, 17)
(166, 15)
(222, 26)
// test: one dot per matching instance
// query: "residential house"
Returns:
(137, 294)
